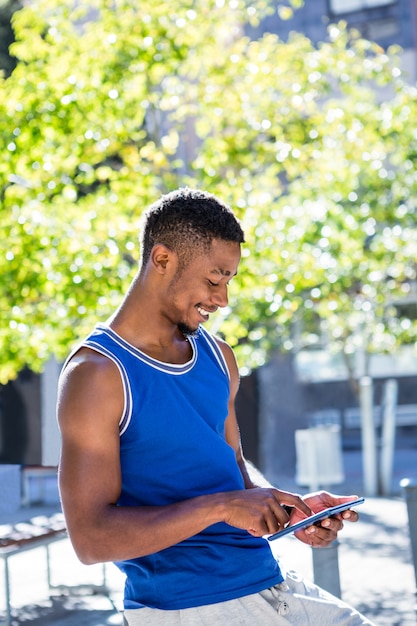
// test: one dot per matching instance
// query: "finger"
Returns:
(350, 515)
(276, 518)
(271, 524)
(281, 517)
(296, 501)
(332, 523)
(319, 536)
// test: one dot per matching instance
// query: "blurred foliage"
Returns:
(113, 103)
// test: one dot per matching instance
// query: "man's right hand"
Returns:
(260, 510)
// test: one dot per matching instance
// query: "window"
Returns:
(348, 6)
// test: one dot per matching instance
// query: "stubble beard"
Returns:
(187, 331)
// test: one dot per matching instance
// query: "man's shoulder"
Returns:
(86, 361)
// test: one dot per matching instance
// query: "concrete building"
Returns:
(387, 22)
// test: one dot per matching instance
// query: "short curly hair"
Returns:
(186, 221)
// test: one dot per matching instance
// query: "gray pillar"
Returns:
(280, 414)
(369, 450)
(50, 433)
(388, 436)
(409, 487)
(326, 568)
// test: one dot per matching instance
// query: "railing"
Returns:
(38, 532)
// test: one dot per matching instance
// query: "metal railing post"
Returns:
(326, 568)
(388, 436)
(7, 590)
(369, 447)
(409, 487)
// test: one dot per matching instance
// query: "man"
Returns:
(152, 474)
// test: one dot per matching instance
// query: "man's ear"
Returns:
(161, 256)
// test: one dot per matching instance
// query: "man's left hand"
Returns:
(322, 534)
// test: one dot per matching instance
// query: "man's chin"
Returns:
(187, 331)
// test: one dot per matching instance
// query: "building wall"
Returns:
(395, 23)
(284, 403)
(387, 25)
(20, 420)
(29, 432)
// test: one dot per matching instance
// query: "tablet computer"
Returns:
(316, 517)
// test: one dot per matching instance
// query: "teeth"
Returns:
(202, 312)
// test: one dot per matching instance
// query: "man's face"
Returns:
(201, 287)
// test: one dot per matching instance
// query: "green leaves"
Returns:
(112, 104)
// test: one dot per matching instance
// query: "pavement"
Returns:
(375, 564)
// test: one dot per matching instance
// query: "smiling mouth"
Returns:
(204, 314)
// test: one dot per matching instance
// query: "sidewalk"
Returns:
(375, 563)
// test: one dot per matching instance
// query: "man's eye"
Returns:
(213, 284)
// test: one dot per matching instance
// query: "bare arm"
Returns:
(90, 404)
(89, 408)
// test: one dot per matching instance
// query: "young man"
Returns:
(152, 474)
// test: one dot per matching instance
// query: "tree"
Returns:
(110, 105)
(324, 168)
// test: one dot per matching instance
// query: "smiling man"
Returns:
(152, 474)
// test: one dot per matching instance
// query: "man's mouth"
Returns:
(204, 314)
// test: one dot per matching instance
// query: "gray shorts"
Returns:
(294, 602)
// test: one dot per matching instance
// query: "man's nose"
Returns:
(220, 296)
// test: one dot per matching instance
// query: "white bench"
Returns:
(37, 532)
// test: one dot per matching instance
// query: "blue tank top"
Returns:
(172, 448)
